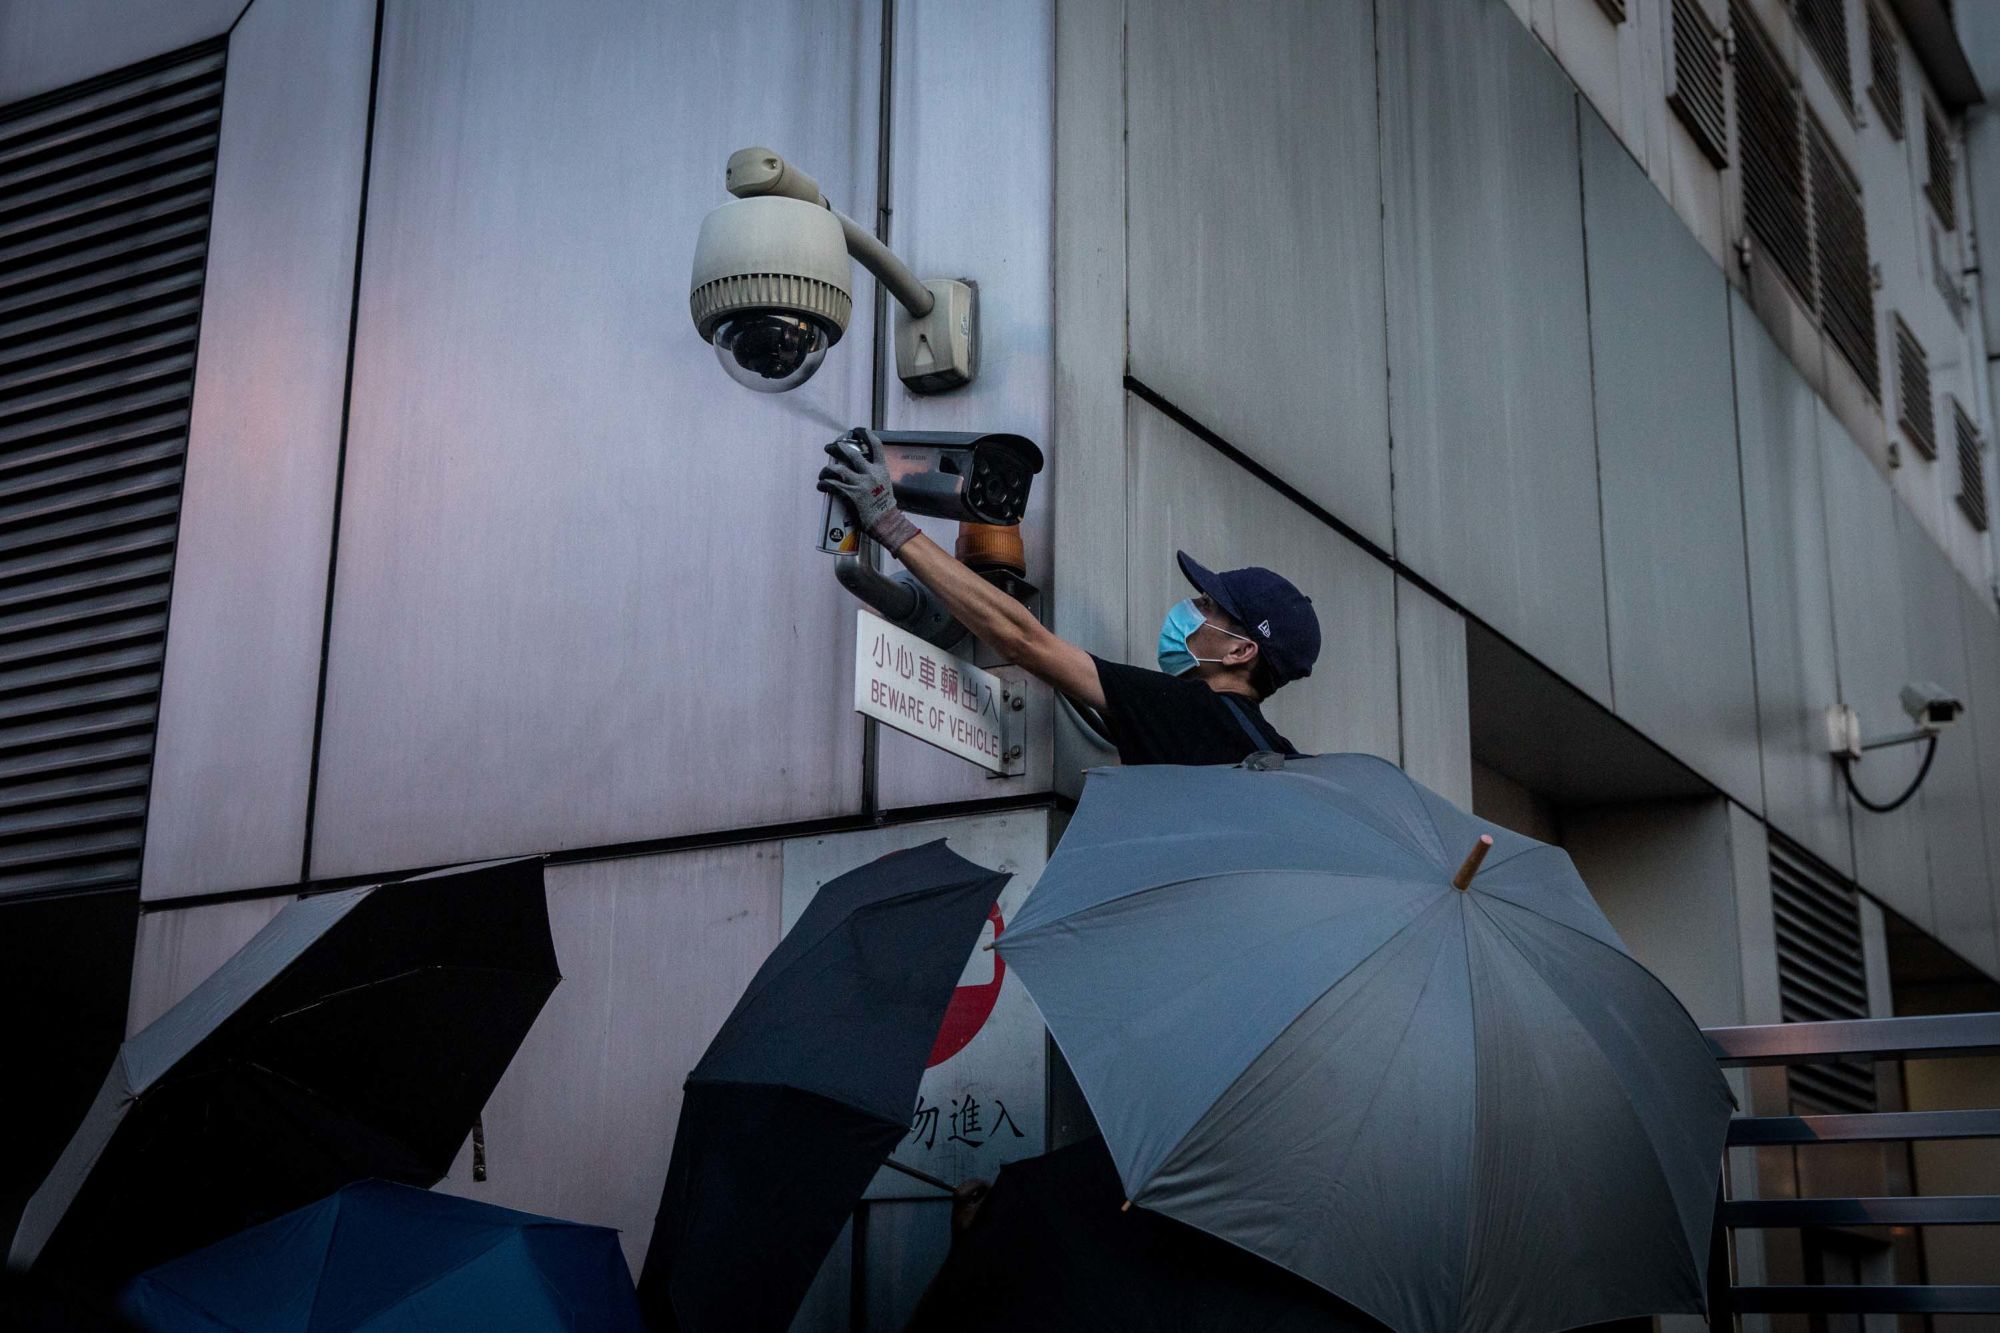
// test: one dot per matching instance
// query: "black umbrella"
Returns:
(358, 1034)
(807, 1088)
(1054, 1248)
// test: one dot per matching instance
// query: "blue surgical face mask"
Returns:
(1183, 619)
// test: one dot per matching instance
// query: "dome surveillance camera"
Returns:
(770, 289)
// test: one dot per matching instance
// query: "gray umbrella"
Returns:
(1454, 1109)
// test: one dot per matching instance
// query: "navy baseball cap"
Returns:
(1277, 616)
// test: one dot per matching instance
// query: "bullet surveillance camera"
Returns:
(1930, 706)
(967, 476)
(770, 289)
(771, 292)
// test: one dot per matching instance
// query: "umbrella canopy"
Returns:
(358, 1034)
(378, 1255)
(1456, 1109)
(807, 1088)
(1052, 1250)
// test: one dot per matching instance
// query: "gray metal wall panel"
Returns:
(982, 215)
(576, 600)
(1255, 225)
(1675, 580)
(1954, 813)
(234, 755)
(178, 949)
(1791, 605)
(1982, 653)
(49, 44)
(1869, 632)
(1088, 469)
(1186, 495)
(1664, 873)
(1489, 388)
(1434, 706)
(655, 952)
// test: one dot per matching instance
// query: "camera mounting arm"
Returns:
(755, 171)
(937, 331)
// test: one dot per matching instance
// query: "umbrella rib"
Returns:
(783, 1085)
(1658, 984)
(325, 1258)
(330, 996)
(1533, 846)
(1017, 933)
(183, 1299)
(1234, 836)
(1645, 1132)
(1307, 1008)
(436, 1278)
(1386, 834)
(1382, 1077)
(760, 982)
(1425, 806)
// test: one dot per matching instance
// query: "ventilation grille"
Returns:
(1913, 391)
(1937, 152)
(1971, 467)
(1696, 76)
(1613, 9)
(1771, 150)
(1823, 23)
(104, 194)
(1821, 975)
(1840, 234)
(1885, 70)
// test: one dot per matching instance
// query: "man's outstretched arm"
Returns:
(1006, 626)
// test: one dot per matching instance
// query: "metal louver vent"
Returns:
(1770, 148)
(1971, 467)
(1696, 80)
(1823, 23)
(104, 203)
(1840, 235)
(1937, 153)
(1821, 974)
(1613, 9)
(1913, 391)
(1885, 69)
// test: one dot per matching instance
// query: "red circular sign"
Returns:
(970, 1006)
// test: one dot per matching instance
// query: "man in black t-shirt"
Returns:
(1221, 653)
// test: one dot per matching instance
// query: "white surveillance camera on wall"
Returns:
(1930, 705)
(771, 287)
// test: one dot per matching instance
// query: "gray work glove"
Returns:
(862, 480)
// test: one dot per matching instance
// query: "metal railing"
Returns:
(1938, 1037)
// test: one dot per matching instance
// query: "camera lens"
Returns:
(769, 351)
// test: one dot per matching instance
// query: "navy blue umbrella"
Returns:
(807, 1089)
(376, 1255)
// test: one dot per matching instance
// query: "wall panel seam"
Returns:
(1743, 516)
(691, 842)
(340, 455)
(173, 555)
(1590, 364)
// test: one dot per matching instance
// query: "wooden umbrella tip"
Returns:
(1125, 1207)
(1463, 879)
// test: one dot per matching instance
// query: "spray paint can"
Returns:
(838, 532)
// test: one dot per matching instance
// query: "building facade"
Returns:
(1612, 374)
